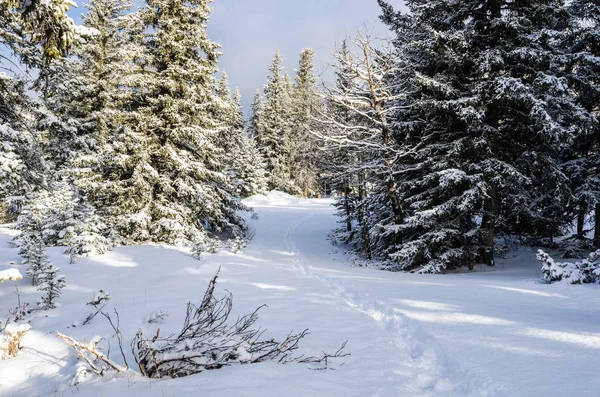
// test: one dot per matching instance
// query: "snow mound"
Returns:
(10, 275)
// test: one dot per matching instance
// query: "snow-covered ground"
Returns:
(493, 333)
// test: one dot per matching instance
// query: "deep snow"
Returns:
(489, 333)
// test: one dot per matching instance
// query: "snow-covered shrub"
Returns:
(205, 342)
(585, 271)
(100, 297)
(575, 248)
(213, 245)
(88, 236)
(238, 244)
(10, 275)
(198, 248)
(11, 343)
(157, 317)
(51, 285)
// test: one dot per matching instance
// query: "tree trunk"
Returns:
(488, 226)
(396, 209)
(581, 220)
(597, 227)
(362, 194)
(347, 206)
(495, 8)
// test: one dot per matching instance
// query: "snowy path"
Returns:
(489, 334)
(532, 339)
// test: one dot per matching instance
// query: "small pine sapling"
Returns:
(88, 239)
(198, 248)
(213, 245)
(37, 258)
(583, 272)
(51, 285)
(238, 245)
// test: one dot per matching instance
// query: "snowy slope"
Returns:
(494, 333)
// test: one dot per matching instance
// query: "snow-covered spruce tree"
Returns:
(35, 255)
(306, 104)
(180, 174)
(248, 164)
(250, 167)
(60, 219)
(50, 285)
(46, 23)
(256, 109)
(583, 72)
(57, 118)
(244, 164)
(21, 166)
(113, 176)
(273, 127)
(84, 89)
(31, 240)
(481, 130)
(89, 233)
(163, 175)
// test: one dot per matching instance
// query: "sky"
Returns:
(250, 31)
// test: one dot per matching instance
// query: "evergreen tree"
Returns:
(273, 127)
(256, 110)
(306, 104)
(89, 233)
(582, 156)
(51, 285)
(176, 178)
(22, 168)
(36, 257)
(478, 118)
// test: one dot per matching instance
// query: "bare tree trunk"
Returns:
(488, 226)
(362, 194)
(597, 227)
